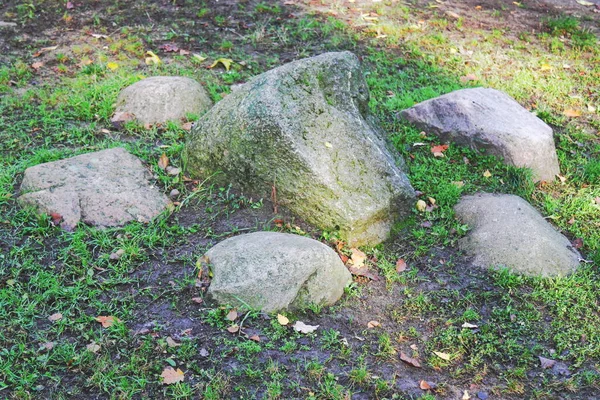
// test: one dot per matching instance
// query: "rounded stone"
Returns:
(159, 99)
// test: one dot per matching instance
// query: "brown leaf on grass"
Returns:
(424, 385)
(468, 78)
(233, 329)
(56, 218)
(232, 315)
(358, 257)
(172, 343)
(171, 376)
(107, 321)
(546, 362)
(400, 265)
(163, 161)
(443, 356)
(364, 271)
(373, 324)
(255, 338)
(577, 243)
(571, 113)
(438, 151)
(197, 300)
(410, 360)
(37, 65)
(47, 346)
(169, 47)
(55, 317)
(187, 126)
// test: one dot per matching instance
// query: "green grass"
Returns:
(44, 270)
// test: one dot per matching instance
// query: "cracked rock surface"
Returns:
(104, 189)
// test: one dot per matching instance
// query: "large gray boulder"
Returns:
(490, 120)
(159, 99)
(305, 129)
(274, 271)
(508, 231)
(105, 188)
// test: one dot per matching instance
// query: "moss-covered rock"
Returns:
(305, 128)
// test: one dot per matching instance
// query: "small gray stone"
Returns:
(105, 188)
(159, 99)
(174, 194)
(4, 24)
(305, 129)
(273, 271)
(490, 120)
(172, 171)
(508, 231)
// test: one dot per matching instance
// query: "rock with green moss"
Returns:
(305, 129)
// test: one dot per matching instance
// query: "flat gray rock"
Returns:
(274, 271)
(490, 120)
(508, 231)
(106, 188)
(305, 129)
(159, 99)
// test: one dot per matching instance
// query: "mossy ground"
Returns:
(411, 52)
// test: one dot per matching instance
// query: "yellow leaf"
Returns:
(171, 376)
(572, 113)
(487, 173)
(152, 58)
(198, 58)
(421, 206)
(225, 61)
(112, 66)
(443, 356)
(545, 67)
(328, 145)
(282, 319)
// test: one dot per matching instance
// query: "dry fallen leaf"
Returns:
(198, 58)
(410, 360)
(443, 356)
(373, 324)
(572, 113)
(171, 376)
(232, 315)
(487, 173)
(37, 65)
(171, 342)
(400, 265)
(93, 347)
(225, 61)
(255, 338)
(585, 3)
(466, 395)
(282, 319)
(301, 327)
(421, 206)
(55, 317)
(47, 346)
(424, 385)
(107, 321)
(187, 126)
(438, 151)
(546, 362)
(470, 326)
(163, 161)
(197, 300)
(358, 257)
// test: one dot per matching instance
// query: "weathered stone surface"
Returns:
(305, 128)
(105, 188)
(490, 120)
(508, 231)
(273, 271)
(159, 99)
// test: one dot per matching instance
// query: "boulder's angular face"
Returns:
(507, 231)
(304, 128)
(490, 120)
(159, 99)
(274, 271)
(105, 188)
